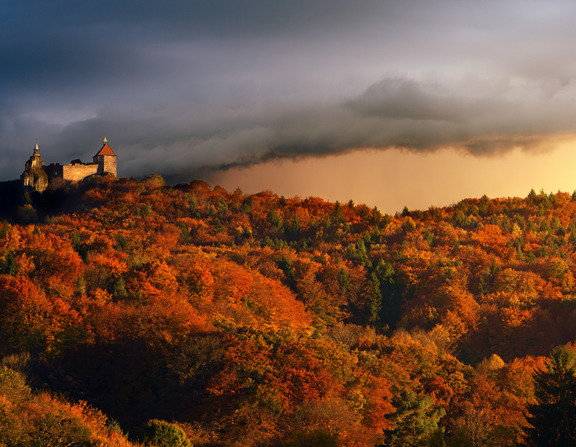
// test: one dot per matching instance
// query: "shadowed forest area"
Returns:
(136, 313)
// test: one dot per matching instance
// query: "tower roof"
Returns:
(106, 149)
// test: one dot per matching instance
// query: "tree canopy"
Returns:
(221, 318)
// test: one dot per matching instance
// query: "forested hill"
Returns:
(190, 315)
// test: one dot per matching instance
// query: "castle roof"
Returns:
(106, 150)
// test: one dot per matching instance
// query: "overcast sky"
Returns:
(226, 90)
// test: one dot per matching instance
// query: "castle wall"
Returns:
(54, 170)
(78, 171)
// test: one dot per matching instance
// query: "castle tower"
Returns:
(106, 160)
(35, 161)
(34, 175)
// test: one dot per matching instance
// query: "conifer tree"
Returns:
(553, 417)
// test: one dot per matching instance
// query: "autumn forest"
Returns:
(134, 313)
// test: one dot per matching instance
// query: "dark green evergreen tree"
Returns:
(391, 294)
(275, 220)
(374, 300)
(553, 416)
(286, 266)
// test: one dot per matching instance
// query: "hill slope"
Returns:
(260, 320)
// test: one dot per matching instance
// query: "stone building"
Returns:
(38, 176)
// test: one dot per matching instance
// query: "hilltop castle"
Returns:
(38, 177)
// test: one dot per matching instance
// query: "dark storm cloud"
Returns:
(181, 87)
(394, 112)
(407, 99)
(217, 18)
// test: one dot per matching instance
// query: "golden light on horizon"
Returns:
(394, 178)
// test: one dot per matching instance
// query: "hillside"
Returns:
(256, 320)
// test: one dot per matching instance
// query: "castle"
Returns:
(38, 177)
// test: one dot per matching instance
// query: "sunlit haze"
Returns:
(393, 179)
